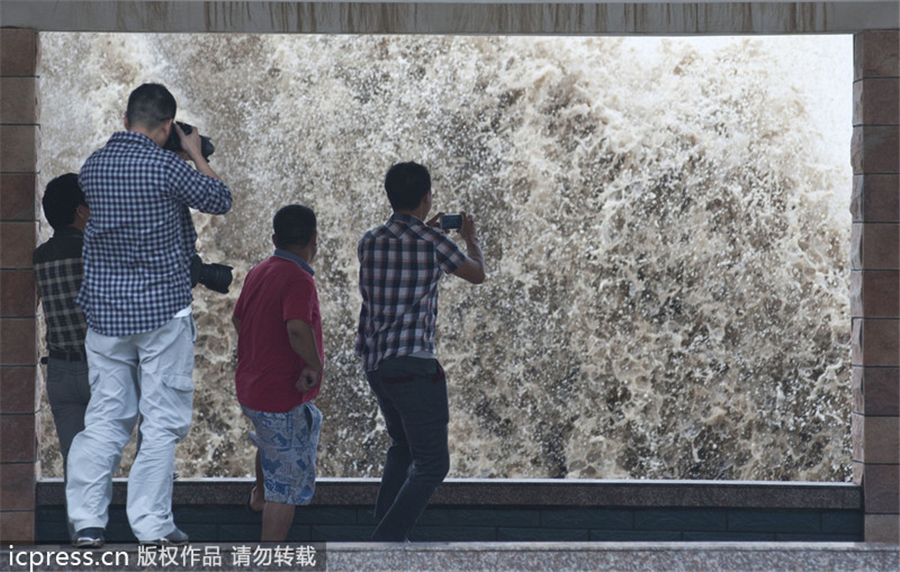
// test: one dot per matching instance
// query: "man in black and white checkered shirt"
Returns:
(136, 296)
(59, 271)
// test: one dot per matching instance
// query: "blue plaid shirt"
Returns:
(140, 237)
(400, 264)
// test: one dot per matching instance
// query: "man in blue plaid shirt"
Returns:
(136, 297)
(400, 264)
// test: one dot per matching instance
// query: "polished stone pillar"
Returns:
(875, 280)
(20, 139)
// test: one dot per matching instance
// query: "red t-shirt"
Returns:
(275, 291)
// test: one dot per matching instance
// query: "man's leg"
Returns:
(276, 521)
(257, 500)
(398, 459)
(69, 392)
(287, 451)
(109, 420)
(166, 406)
(418, 390)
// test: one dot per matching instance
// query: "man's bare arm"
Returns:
(303, 341)
(472, 269)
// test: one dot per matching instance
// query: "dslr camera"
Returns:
(216, 277)
(174, 142)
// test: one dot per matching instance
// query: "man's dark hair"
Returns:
(294, 225)
(149, 105)
(61, 198)
(406, 185)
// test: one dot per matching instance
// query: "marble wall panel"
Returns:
(875, 198)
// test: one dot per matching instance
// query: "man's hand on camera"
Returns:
(467, 231)
(192, 148)
(435, 221)
(190, 143)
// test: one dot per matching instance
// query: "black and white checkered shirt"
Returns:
(59, 271)
(140, 237)
(400, 264)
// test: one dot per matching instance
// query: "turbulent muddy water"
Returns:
(664, 220)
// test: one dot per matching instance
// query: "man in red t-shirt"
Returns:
(279, 371)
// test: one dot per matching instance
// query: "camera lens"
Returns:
(216, 277)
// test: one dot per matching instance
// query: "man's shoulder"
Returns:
(131, 145)
(275, 267)
(58, 247)
(402, 230)
(259, 268)
(373, 235)
(433, 234)
(41, 253)
(438, 239)
(376, 231)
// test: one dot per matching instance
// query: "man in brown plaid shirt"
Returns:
(59, 270)
(400, 265)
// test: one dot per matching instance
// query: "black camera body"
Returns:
(174, 142)
(216, 277)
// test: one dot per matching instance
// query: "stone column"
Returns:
(875, 280)
(20, 137)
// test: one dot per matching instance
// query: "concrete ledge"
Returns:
(212, 510)
(536, 492)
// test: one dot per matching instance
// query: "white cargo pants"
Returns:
(147, 373)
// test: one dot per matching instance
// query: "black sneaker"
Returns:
(88, 538)
(174, 538)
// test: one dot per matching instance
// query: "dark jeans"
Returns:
(69, 392)
(412, 395)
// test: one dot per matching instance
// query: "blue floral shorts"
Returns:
(287, 443)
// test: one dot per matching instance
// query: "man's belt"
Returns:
(67, 356)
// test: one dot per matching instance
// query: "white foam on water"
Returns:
(665, 221)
